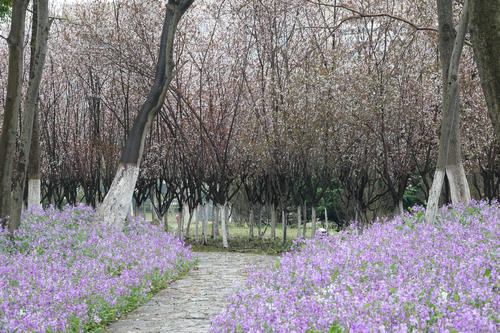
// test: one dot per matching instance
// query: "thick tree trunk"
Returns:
(115, 205)
(40, 33)
(34, 186)
(485, 31)
(450, 154)
(299, 221)
(165, 221)
(398, 207)
(224, 223)
(250, 222)
(12, 105)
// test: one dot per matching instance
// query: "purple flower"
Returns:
(400, 275)
(63, 273)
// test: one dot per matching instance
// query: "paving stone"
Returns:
(189, 304)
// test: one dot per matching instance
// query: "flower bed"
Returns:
(402, 275)
(63, 273)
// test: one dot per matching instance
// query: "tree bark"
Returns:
(299, 221)
(283, 222)
(273, 220)
(116, 203)
(313, 221)
(190, 218)
(180, 225)
(215, 223)
(12, 104)
(326, 218)
(450, 154)
(304, 211)
(259, 222)
(205, 225)
(224, 221)
(251, 222)
(197, 223)
(34, 186)
(165, 221)
(39, 36)
(485, 31)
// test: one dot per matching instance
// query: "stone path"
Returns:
(190, 303)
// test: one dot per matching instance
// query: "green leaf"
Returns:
(348, 289)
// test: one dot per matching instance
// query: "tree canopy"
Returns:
(5, 6)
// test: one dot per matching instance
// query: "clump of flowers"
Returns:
(61, 272)
(403, 275)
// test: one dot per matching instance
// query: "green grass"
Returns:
(239, 237)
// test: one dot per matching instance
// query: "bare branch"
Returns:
(359, 14)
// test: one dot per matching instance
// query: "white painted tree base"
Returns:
(224, 226)
(34, 197)
(459, 187)
(434, 194)
(116, 204)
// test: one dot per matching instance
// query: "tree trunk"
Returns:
(116, 203)
(215, 223)
(259, 222)
(39, 36)
(12, 105)
(224, 220)
(326, 218)
(180, 224)
(485, 31)
(450, 154)
(299, 221)
(283, 222)
(189, 214)
(313, 221)
(205, 225)
(273, 220)
(304, 212)
(165, 221)
(251, 222)
(197, 223)
(154, 215)
(34, 186)
(398, 207)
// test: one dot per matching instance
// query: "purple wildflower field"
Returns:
(63, 273)
(402, 275)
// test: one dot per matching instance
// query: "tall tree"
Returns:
(449, 160)
(117, 202)
(12, 104)
(39, 36)
(485, 31)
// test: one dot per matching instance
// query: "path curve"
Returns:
(189, 304)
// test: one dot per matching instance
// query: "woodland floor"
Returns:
(189, 304)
